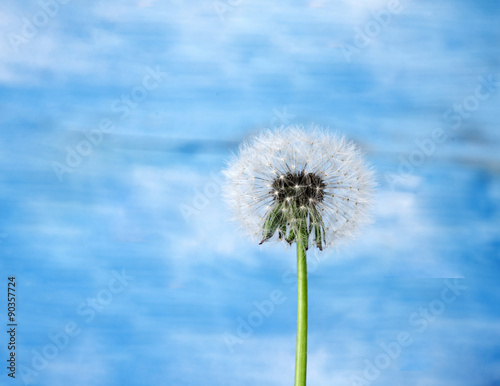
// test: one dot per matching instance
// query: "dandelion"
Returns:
(310, 188)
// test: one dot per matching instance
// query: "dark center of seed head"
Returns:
(302, 188)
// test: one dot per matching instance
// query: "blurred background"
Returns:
(116, 121)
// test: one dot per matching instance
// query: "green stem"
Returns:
(301, 354)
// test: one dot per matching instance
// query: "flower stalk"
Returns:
(301, 351)
(303, 186)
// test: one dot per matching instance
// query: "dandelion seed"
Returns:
(304, 190)
(310, 198)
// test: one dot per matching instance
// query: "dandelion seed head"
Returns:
(295, 178)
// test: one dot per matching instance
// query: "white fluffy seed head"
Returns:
(289, 178)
